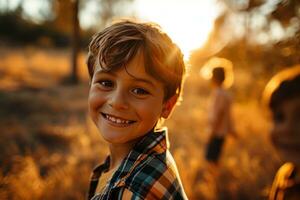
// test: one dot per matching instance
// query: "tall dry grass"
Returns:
(49, 145)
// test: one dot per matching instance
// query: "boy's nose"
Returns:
(118, 100)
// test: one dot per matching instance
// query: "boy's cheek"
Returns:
(94, 95)
(94, 103)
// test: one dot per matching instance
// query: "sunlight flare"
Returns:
(187, 22)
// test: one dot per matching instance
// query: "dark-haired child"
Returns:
(282, 95)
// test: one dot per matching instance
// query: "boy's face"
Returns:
(127, 103)
(286, 131)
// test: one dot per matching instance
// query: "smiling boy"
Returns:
(136, 79)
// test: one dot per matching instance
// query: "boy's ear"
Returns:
(168, 106)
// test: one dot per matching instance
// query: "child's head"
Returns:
(218, 76)
(116, 46)
(136, 77)
(282, 94)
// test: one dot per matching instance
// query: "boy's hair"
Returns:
(283, 86)
(218, 75)
(116, 46)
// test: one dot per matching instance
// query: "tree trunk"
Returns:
(75, 42)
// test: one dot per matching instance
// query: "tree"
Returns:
(62, 16)
(75, 41)
(108, 9)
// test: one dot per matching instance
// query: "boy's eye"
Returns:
(106, 83)
(140, 91)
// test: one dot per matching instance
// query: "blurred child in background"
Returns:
(282, 95)
(219, 115)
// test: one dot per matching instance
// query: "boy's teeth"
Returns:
(117, 120)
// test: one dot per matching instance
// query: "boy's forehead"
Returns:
(135, 69)
(136, 65)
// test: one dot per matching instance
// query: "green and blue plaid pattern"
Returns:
(148, 172)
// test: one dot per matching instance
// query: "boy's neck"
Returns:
(216, 85)
(118, 152)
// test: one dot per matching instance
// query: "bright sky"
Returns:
(188, 22)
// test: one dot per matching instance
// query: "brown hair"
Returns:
(117, 44)
(218, 75)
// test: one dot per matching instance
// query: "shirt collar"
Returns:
(155, 141)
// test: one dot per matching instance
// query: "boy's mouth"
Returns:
(116, 120)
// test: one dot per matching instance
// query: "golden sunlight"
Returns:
(188, 22)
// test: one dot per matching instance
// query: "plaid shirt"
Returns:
(148, 172)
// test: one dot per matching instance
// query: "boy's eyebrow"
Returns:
(111, 73)
(144, 81)
(99, 71)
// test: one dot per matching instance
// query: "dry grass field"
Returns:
(48, 144)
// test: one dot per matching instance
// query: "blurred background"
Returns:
(48, 144)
